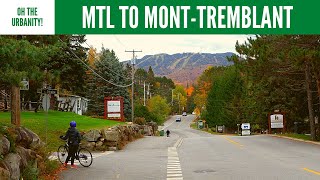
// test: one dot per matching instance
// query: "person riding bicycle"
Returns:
(73, 136)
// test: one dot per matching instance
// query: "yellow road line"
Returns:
(234, 142)
(312, 171)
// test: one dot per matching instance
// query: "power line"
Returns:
(120, 41)
(95, 73)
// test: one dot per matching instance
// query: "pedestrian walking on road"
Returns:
(168, 132)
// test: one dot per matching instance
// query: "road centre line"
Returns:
(234, 142)
(180, 143)
(312, 171)
(177, 143)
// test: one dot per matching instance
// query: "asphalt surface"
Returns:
(191, 155)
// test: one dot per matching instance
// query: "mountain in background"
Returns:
(182, 68)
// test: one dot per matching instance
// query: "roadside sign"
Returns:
(245, 126)
(200, 124)
(46, 102)
(49, 91)
(25, 85)
(276, 121)
(245, 129)
(245, 132)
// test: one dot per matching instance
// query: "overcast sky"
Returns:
(170, 44)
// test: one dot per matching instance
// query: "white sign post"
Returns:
(114, 107)
(25, 85)
(276, 121)
(46, 102)
(245, 129)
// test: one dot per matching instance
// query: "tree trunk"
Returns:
(15, 105)
(309, 95)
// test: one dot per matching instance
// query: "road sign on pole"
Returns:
(25, 85)
(49, 91)
(46, 102)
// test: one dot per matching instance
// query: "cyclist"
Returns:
(74, 138)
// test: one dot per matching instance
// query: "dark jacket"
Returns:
(73, 136)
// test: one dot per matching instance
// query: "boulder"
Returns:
(92, 135)
(99, 144)
(154, 126)
(112, 148)
(130, 138)
(126, 131)
(111, 135)
(147, 130)
(4, 174)
(12, 162)
(26, 155)
(90, 145)
(111, 143)
(27, 138)
(4, 145)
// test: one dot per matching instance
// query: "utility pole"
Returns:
(132, 88)
(179, 103)
(309, 96)
(171, 97)
(149, 94)
(144, 93)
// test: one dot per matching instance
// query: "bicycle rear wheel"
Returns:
(62, 153)
(85, 157)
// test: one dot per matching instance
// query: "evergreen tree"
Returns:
(109, 67)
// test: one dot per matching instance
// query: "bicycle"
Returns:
(83, 155)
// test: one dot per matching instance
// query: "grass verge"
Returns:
(209, 130)
(56, 123)
(297, 136)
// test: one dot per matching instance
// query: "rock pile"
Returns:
(16, 150)
(116, 137)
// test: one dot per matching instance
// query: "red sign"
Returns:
(113, 108)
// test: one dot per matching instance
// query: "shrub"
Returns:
(48, 167)
(30, 172)
(140, 120)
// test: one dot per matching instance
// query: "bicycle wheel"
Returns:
(85, 157)
(62, 153)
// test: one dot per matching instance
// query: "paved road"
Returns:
(194, 155)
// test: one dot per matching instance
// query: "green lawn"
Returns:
(297, 136)
(57, 124)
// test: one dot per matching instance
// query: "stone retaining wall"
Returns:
(116, 137)
(17, 148)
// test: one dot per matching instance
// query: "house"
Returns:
(73, 103)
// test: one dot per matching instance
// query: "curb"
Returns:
(295, 139)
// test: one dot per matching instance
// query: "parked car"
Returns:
(184, 114)
(178, 119)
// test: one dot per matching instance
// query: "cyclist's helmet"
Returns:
(73, 124)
